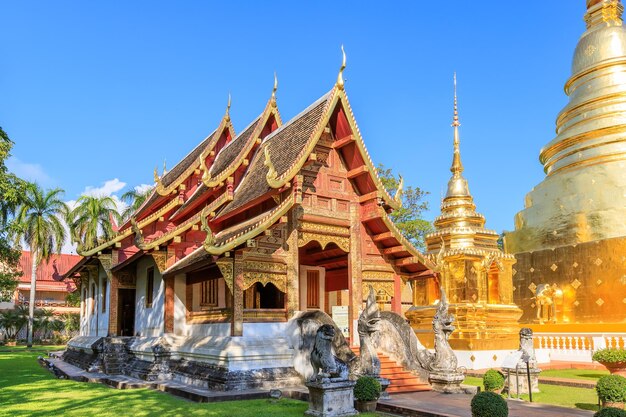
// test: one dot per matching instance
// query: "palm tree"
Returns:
(38, 224)
(92, 219)
(135, 198)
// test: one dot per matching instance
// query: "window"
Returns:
(104, 296)
(313, 289)
(149, 287)
(208, 293)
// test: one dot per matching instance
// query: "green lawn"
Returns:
(582, 398)
(586, 374)
(26, 389)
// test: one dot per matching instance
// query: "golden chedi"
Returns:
(570, 239)
(475, 274)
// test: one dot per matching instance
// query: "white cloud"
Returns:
(143, 187)
(108, 189)
(29, 172)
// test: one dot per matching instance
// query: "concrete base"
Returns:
(331, 398)
(447, 382)
(519, 381)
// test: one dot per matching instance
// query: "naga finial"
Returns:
(399, 192)
(156, 175)
(340, 82)
(164, 166)
(271, 175)
(209, 240)
(138, 240)
(274, 89)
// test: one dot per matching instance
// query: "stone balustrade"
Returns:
(576, 347)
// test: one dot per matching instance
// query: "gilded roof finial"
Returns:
(602, 13)
(457, 166)
(399, 192)
(340, 81)
(164, 166)
(274, 89)
(227, 115)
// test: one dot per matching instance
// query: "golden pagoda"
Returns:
(475, 273)
(570, 239)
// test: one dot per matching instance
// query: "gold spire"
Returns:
(227, 115)
(274, 89)
(457, 166)
(340, 82)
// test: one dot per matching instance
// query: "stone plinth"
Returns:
(448, 382)
(519, 381)
(329, 398)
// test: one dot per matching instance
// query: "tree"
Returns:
(13, 321)
(11, 189)
(408, 218)
(135, 198)
(92, 218)
(38, 224)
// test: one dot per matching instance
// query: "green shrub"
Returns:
(610, 355)
(611, 388)
(493, 380)
(489, 404)
(367, 389)
(610, 412)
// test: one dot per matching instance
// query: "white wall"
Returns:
(103, 317)
(149, 321)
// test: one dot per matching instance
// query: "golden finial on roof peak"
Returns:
(227, 115)
(340, 82)
(274, 89)
(457, 166)
(602, 13)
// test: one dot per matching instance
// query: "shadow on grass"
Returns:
(587, 406)
(596, 376)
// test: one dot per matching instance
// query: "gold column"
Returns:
(238, 284)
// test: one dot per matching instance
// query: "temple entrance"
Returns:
(126, 312)
(323, 277)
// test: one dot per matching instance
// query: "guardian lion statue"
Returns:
(325, 364)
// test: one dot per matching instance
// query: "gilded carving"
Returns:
(126, 278)
(160, 259)
(324, 234)
(265, 272)
(386, 286)
(226, 267)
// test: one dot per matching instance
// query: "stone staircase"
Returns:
(400, 379)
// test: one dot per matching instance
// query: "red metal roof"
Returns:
(50, 274)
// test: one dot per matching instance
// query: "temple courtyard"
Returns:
(29, 389)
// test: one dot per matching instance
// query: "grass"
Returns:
(586, 374)
(583, 398)
(26, 389)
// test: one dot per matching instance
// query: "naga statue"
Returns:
(368, 325)
(444, 358)
(325, 364)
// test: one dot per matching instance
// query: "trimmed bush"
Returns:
(493, 380)
(610, 412)
(611, 389)
(367, 389)
(489, 404)
(610, 355)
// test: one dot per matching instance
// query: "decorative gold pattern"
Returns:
(554, 267)
(226, 267)
(160, 259)
(599, 302)
(272, 175)
(324, 234)
(265, 272)
(576, 283)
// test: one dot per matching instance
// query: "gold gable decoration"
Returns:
(265, 272)
(324, 234)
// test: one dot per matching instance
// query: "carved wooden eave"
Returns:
(213, 179)
(128, 230)
(238, 235)
(265, 272)
(415, 256)
(379, 279)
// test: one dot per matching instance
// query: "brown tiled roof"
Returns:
(197, 255)
(175, 172)
(285, 144)
(228, 154)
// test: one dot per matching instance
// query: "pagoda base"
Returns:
(478, 326)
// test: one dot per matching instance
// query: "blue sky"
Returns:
(95, 94)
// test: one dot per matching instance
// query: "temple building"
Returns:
(244, 233)
(570, 239)
(475, 274)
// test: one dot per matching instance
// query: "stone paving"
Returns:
(435, 404)
(418, 404)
